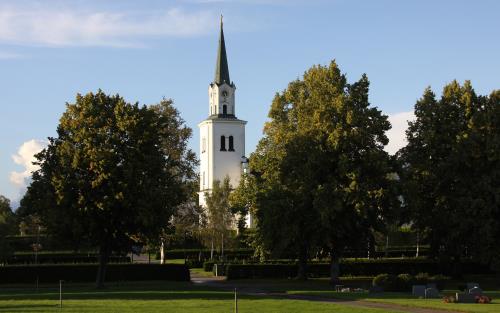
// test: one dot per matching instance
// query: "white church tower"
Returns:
(222, 135)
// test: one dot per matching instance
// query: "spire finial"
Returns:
(221, 16)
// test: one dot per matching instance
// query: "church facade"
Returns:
(222, 134)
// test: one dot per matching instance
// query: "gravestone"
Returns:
(418, 290)
(465, 298)
(431, 293)
(476, 291)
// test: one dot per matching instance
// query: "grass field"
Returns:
(186, 297)
(155, 297)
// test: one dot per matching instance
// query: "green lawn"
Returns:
(155, 297)
(407, 299)
(189, 297)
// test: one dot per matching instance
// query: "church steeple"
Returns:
(221, 67)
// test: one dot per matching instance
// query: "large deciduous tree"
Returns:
(115, 172)
(451, 172)
(322, 176)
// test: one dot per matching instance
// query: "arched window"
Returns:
(231, 146)
(224, 109)
(222, 143)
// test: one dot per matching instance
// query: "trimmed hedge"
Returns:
(203, 254)
(62, 258)
(354, 268)
(88, 272)
(243, 271)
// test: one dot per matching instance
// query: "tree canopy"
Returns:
(115, 173)
(322, 176)
(7, 226)
(451, 172)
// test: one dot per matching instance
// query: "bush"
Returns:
(388, 282)
(87, 273)
(404, 282)
(439, 280)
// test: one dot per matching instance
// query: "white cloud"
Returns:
(25, 157)
(397, 135)
(77, 27)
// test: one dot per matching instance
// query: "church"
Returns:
(222, 134)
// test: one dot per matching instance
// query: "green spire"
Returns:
(221, 67)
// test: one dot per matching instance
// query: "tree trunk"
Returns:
(302, 270)
(222, 247)
(334, 269)
(162, 253)
(103, 262)
(212, 248)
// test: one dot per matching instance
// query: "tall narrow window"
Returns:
(222, 143)
(203, 145)
(231, 147)
(224, 109)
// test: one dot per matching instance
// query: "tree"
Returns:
(219, 216)
(7, 227)
(451, 172)
(322, 176)
(115, 173)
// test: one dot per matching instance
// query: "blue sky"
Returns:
(146, 50)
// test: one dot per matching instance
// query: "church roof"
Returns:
(221, 67)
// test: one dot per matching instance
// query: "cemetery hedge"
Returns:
(62, 258)
(203, 254)
(87, 273)
(354, 268)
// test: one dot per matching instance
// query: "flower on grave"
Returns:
(449, 299)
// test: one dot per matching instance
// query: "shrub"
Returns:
(388, 282)
(87, 273)
(422, 278)
(404, 282)
(439, 280)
